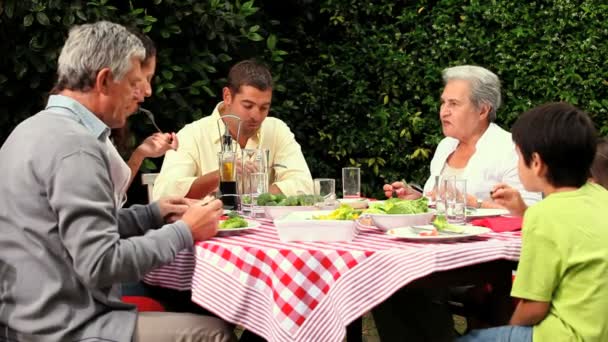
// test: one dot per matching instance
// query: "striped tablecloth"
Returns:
(312, 291)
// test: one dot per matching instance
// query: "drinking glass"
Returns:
(325, 189)
(257, 158)
(258, 184)
(351, 182)
(456, 200)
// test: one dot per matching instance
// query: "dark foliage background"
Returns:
(357, 81)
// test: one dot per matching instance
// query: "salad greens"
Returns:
(399, 206)
(234, 221)
(441, 223)
(268, 199)
(344, 212)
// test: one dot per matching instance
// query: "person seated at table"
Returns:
(562, 275)
(66, 242)
(192, 171)
(511, 199)
(474, 147)
(157, 144)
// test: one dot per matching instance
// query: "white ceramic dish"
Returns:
(387, 221)
(485, 212)
(300, 226)
(356, 203)
(275, 212)
(407, 233)
(227, 231)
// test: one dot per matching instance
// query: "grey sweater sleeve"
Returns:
(138, 219)
(80, 193)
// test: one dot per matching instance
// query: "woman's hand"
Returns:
(509, 198)
(403, 191)
(157, 145)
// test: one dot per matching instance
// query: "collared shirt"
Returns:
(199, 144)
(494, 161)
(65, 245)
(119, 170)
(69, 107)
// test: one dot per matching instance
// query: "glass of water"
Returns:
(258, 184)
(456, 200)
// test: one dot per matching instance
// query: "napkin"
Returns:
(500, 224)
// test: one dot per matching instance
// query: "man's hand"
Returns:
(250, 166)
(203, 219)
(509, 198)
(172, 208)
(403, 191)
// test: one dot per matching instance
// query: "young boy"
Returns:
(562, 276)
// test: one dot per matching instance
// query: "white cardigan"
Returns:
(494, 161)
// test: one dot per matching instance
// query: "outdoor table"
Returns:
(311, 291)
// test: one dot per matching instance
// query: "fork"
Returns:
(151, 117)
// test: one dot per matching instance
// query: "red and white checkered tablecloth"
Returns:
(312, 291)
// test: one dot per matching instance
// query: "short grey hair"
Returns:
(485, 85)
(92, 47)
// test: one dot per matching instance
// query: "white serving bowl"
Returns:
(299, 226)
(278, 211)
(355, 203)
(389, 221)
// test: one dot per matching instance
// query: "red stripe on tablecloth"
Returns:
(360, 290)
(177, 275)
(253, 308)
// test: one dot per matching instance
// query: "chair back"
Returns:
(148, 179)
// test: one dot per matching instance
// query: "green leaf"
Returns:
(42, 18)
(255, 37)
(28, 20)
(254, 28)
(208, 91)
(271, 42)
(168, 75)
(80, 14)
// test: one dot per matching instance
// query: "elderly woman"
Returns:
(474, 148)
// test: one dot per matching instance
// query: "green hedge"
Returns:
(370, 73)
(357, 81)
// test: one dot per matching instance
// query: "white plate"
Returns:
(486, 212)
(407, 233)
(250, 224)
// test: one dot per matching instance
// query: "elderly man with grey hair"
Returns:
(65, 242)
(474, 147)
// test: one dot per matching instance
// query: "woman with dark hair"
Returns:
(158, 143)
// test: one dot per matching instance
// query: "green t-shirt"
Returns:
(564, 260)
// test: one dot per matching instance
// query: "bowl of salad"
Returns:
(319, 225)
(276, 206)
(395, 212)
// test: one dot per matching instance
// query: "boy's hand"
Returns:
(509, 198)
